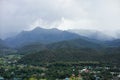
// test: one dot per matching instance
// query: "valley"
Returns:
(52, 54)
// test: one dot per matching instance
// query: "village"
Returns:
(11, 70)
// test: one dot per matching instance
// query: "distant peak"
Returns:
(38, 27)
(55, 29)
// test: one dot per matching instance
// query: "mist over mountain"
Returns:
(59, 39)
(118, 34)
(93, 34)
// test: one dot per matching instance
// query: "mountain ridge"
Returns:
(40, 35)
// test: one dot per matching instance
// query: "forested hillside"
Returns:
(72, 55)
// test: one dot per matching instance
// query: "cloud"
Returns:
(18, 15)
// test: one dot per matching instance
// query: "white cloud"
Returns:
(17, 15)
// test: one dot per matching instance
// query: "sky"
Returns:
(19, 15)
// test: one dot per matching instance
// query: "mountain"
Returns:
(92, 34)
(74, 50)
(40, 35)
(74, 43)
(109, 46)
(69, 51)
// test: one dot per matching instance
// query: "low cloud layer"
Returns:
(18, 15)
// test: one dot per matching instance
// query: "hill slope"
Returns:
(2, 44)
(71, 55)
(57, 55)
(74, 43)
(4, 49)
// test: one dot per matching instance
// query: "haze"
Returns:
(18, 15)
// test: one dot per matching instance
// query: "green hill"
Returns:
(71, 55)
(57, 55)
